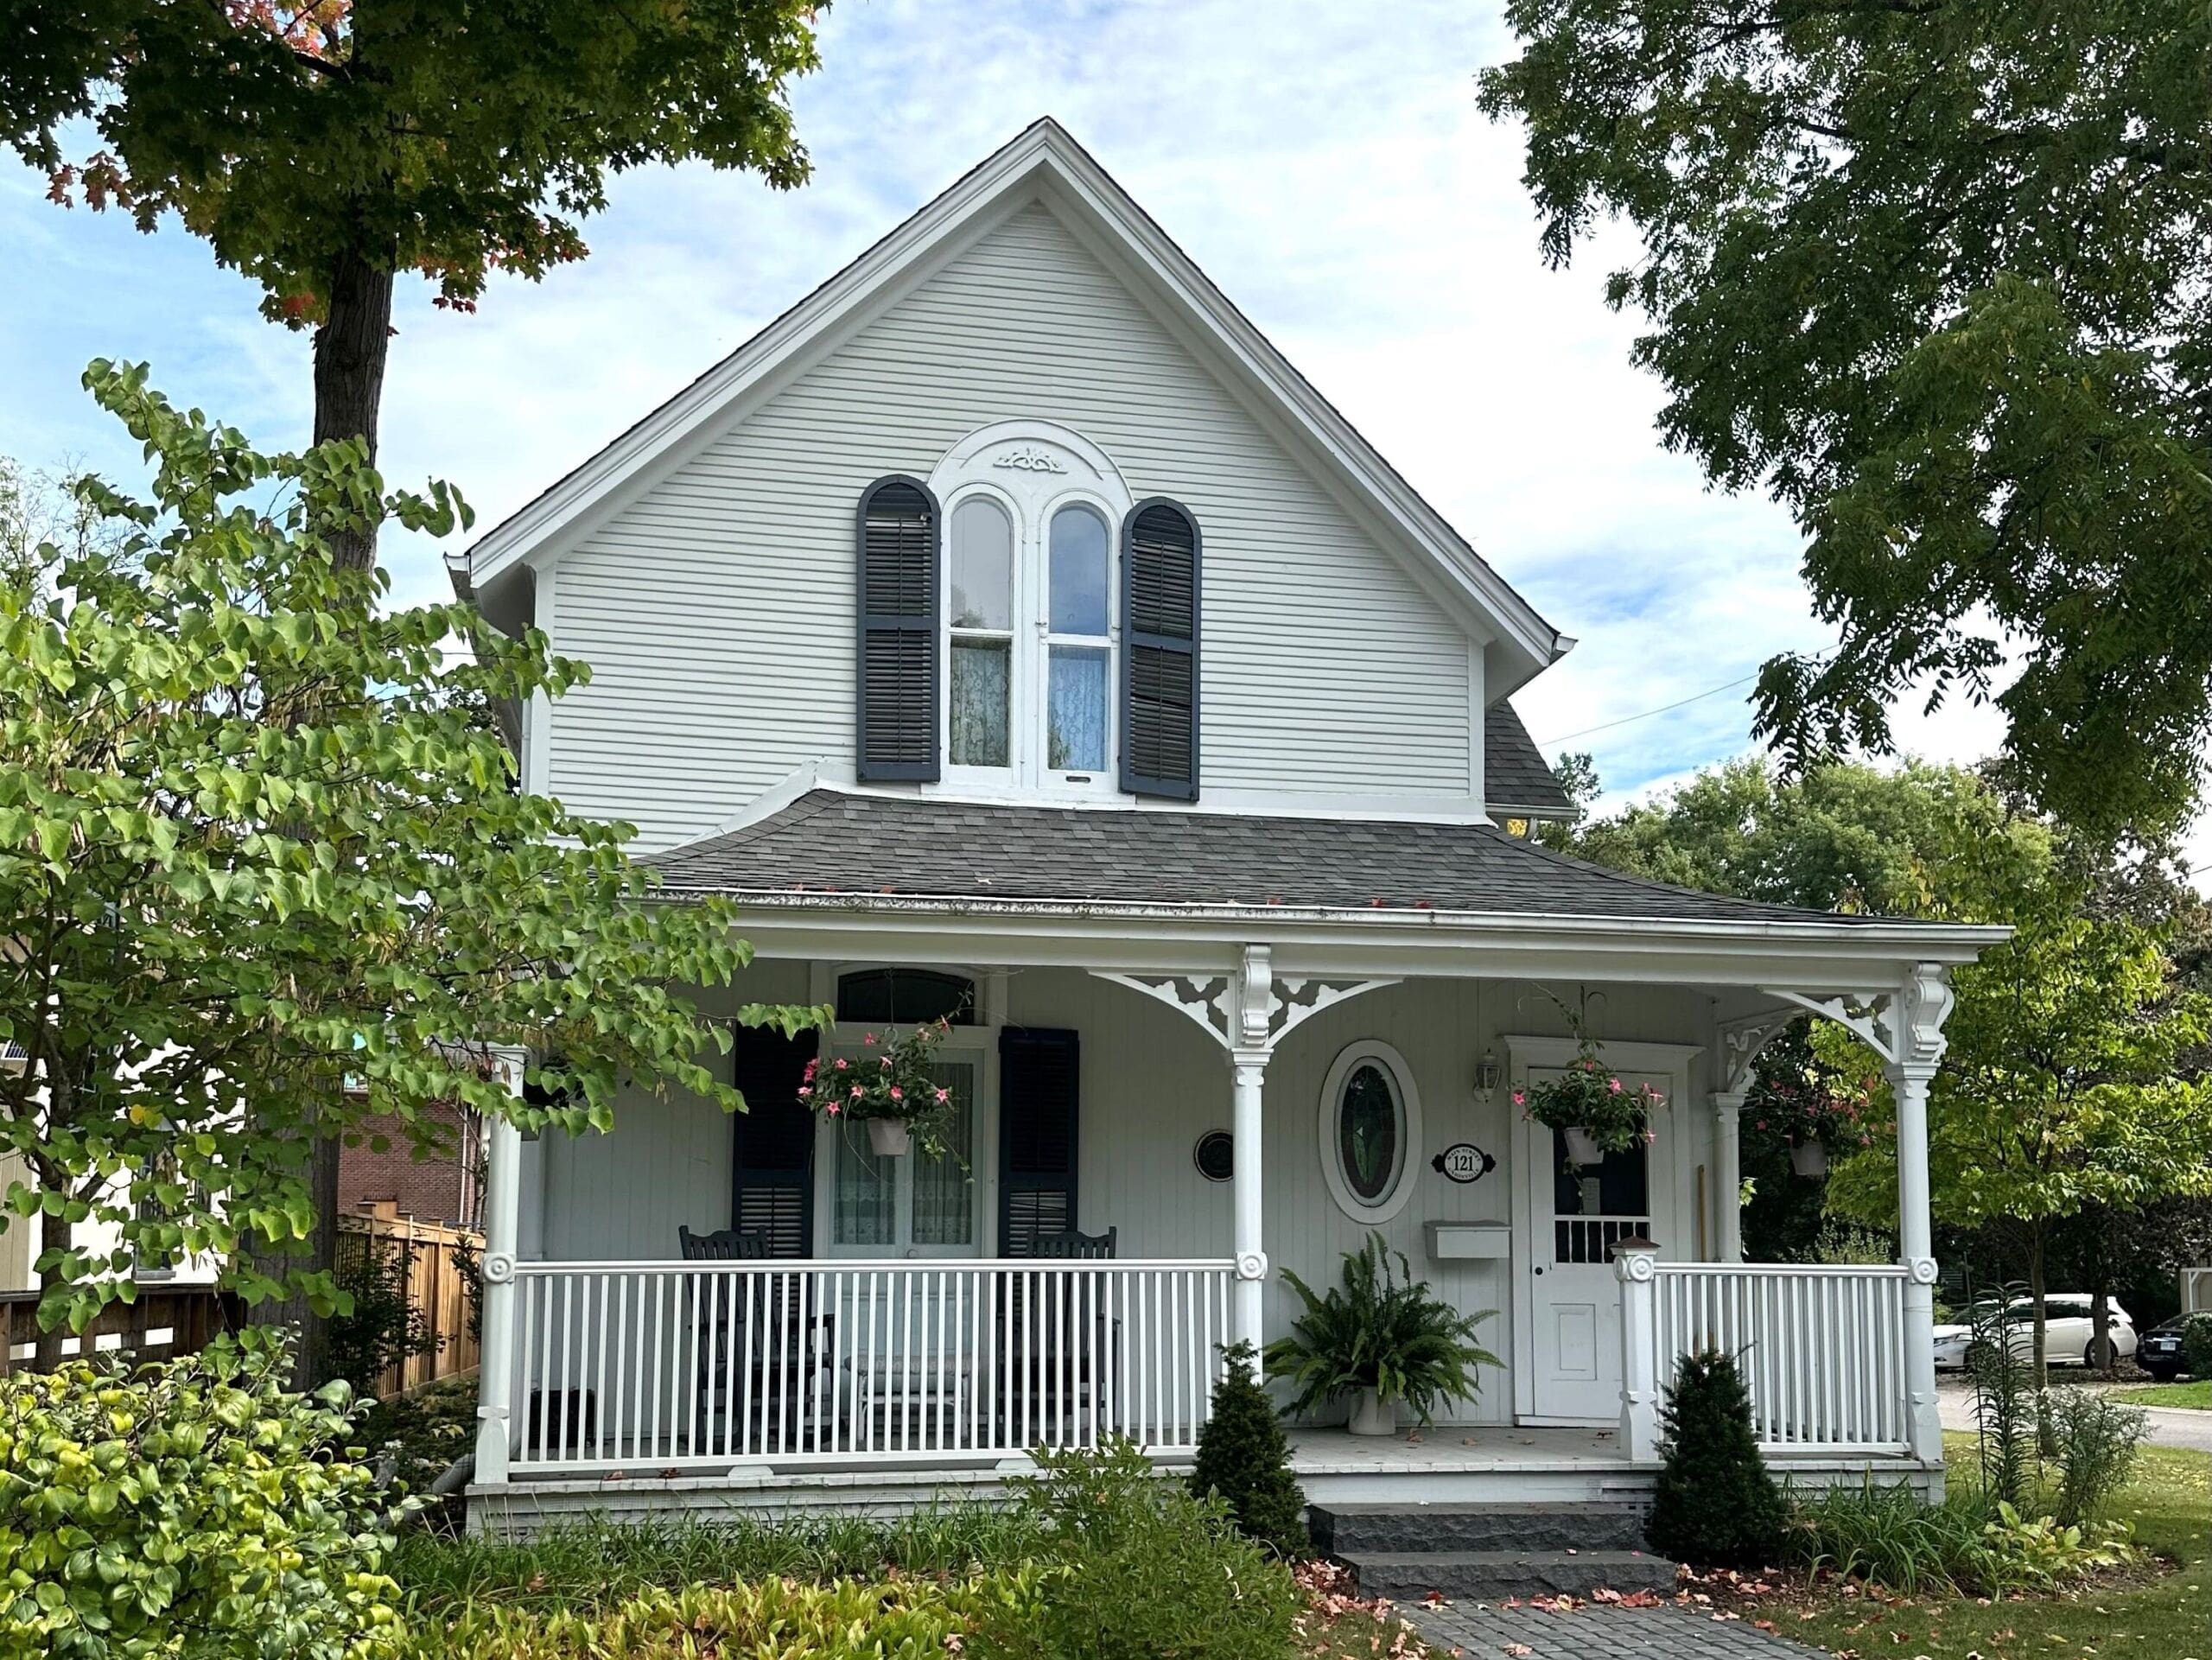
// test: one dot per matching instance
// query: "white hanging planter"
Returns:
(1582, 1146)
(890, 1138)
(1373, 1416)
(1809, 1158)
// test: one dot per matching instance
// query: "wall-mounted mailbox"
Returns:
(1461, 1242)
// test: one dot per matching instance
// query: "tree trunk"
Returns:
(54, 1235)
(2101, 1327)
(318, 1252)
(2040, 1366)
(350, 349)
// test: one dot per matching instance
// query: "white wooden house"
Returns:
(1016, 635)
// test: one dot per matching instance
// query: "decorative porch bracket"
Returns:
(1248, 1013)
(1905, 1028)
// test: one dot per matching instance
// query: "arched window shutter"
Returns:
(771, 1186)
(898, 651)
(1160, 651)
(1038, 1071)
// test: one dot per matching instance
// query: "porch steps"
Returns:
(1490, 1552)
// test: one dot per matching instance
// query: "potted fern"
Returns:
(1383, 1338)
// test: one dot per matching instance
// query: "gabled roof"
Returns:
(1043, 163)
(886, 849)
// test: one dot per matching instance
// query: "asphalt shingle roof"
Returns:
(1515, 773)
(829, 842)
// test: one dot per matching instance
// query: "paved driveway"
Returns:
(1485, 1632)
(2169, 1425)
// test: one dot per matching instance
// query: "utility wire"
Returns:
(1645, 715)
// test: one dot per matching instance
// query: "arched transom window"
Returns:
(1031, 624)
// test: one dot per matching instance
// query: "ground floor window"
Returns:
(1369, 1131)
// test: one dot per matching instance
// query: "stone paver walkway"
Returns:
(1485, 1632)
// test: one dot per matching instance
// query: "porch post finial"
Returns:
(1916, 1036)
(502, 1218)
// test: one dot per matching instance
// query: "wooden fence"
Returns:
(161, 1324)
(438, 1265)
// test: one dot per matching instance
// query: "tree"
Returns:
(1933, 275)
(1243, 1457)
(2060, 1091)
(321, 149)
(257, 837)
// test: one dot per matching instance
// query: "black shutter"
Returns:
(1037, 1136)
(1160, 651)
(896, 669)
(772, 1185)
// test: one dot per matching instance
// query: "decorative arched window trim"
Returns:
(1371, 1051)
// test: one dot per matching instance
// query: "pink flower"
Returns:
(898, 1094)
(811, 1065)
(886, 1061)
(841, 1063)
(1649, 1136)
(804, 1091)
(832, 1109)
(944, 1096)
(1520, 1099)
(869, 1040)
(857, 1091)
(1615, 1087)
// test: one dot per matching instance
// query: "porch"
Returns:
(1225, 1110)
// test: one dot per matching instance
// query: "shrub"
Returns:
(2197, 1346)
(1244, 1459)
(385, 1326)
(892, 1619)
(1141, 1569)
(193, 1509)
(1715, 1505)
(1379, 1331)
(2095, 1441)
(2024, 1553)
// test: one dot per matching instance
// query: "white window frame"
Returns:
(977, 1043)
(1032, 469)
(1371, 1051)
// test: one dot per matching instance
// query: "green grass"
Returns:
(2159, 1614)
(2198, 1395)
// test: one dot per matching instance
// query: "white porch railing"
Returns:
(646, 1367)
(1821, 1349)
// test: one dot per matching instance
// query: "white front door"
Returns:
(1569, 1300)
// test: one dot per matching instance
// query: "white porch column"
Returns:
(1251, 1068)
(502, 1217)
(1916, 1250)
(1636, 1263)
(1728, 1176)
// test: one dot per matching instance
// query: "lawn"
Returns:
(2163, 1613)
(2197, 1395)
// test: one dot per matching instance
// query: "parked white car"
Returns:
(2068, 1332)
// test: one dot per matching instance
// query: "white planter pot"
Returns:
(1372, 1415)
(890, 1138)
(1809, 1158)
(1582, 1146)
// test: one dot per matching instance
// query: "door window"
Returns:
(915, 1203)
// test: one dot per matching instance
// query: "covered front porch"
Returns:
(1146, 1146)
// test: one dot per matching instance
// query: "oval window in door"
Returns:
(1370, 1132)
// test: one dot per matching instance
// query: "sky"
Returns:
(1325, 164)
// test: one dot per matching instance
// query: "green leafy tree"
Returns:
(256, 838)
(2062, 1089)
(321, 149)
(1933, 275)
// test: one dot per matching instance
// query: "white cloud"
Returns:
(1324, 163)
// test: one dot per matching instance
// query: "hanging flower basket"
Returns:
(1809, 1158)
(890, 1086)
(1600, 1113)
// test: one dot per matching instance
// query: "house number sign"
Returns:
(1463, 1162)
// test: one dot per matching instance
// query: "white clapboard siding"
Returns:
(716, 609)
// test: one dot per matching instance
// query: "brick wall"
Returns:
(446, 1188)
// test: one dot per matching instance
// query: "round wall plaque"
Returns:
(1216, 1155)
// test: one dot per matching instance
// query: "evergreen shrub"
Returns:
(1716, 1506)
(1244, 1459)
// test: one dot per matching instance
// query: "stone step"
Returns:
(1392, 1530)
(1494, 1575)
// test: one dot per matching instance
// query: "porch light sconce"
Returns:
(1490, 1072)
